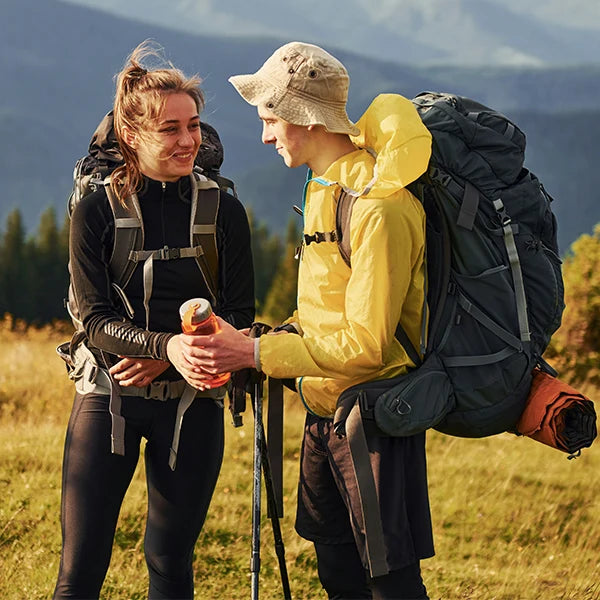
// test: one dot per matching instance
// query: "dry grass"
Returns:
(513, 519)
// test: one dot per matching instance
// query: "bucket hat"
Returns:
(303, 85)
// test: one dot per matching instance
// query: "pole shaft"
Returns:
(256, 489)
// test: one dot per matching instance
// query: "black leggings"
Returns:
(95, 482)
(343, 577)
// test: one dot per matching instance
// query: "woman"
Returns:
(157, 125)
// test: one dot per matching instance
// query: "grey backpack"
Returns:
(495, 289)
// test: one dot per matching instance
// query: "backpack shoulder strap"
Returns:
(129, 235)
(343, 215)
(203, 229)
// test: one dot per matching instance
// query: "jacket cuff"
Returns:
(257, 364)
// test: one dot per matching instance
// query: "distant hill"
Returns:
(457, 32)
(57, 84)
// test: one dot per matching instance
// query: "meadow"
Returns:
(513, 519)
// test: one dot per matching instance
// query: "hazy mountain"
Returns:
(57, 62)
(460, 32)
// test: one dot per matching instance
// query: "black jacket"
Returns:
(166, 215)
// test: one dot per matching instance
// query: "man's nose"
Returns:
(267, 135)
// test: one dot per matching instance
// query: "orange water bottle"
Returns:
(198, 318)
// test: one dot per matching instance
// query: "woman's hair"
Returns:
(140, 97)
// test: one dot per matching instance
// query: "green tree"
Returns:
(575, 347)
(49, 268)
(282, 297)
(13, 268)
(266, 253)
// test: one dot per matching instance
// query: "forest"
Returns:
(34, 276)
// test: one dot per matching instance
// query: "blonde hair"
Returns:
(140, 98)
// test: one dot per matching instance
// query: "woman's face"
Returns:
(168, 150)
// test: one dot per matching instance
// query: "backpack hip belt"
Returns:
(95, 379)
(98, 381)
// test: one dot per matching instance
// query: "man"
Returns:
(346, 317)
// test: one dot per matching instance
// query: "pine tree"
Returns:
(63, 240)
(50, 271)
(282, 297)
(13, 272)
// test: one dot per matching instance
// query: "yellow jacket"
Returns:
(348, 316)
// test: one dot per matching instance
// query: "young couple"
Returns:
(341, 334)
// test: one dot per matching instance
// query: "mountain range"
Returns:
(58, 59)
(459, 32)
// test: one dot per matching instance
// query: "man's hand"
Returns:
(137, 372)
(224, 352)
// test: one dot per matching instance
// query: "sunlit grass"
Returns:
(513, 519)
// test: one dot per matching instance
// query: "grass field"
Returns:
(513, 519)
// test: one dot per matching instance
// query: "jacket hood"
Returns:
(392, 130)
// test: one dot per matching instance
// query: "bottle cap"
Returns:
(201, 309)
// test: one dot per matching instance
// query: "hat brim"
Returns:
(293, 107)
(252, 88)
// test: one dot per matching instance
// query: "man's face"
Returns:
(292, 142)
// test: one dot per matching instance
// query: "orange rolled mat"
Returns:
(557, 415)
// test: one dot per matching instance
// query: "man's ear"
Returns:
(129, 137)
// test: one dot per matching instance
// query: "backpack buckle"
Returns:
(158, 390)
(166, 253)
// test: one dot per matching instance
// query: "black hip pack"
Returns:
(401, 406)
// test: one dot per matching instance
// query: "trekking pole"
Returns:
(261, 460)
(277, 537)
(256, 488)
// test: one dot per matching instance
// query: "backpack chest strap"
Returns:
(166, 253)
(320, 236)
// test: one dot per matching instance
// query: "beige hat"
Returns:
(302, 84)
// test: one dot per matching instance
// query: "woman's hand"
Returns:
(177, 353)
(137, 372)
